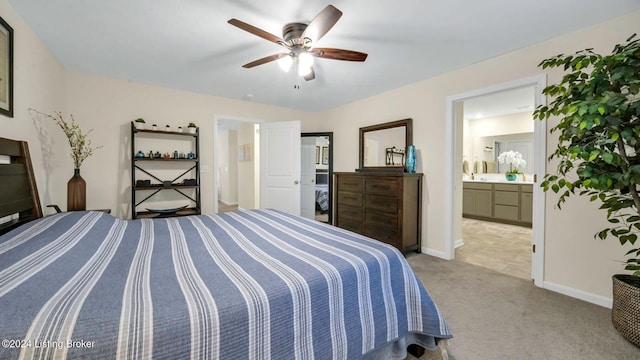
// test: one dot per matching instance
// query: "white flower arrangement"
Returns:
(514, 159)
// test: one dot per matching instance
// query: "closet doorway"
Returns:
(317, 176)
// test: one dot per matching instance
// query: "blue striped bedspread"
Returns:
(322, 196)
(259, 284)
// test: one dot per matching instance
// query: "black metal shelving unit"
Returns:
(142, 193)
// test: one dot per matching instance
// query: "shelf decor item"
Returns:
(192, 128)
(410, 164)
(167, 211)
(143, 182)
(139, 123)
(76, 192)
(81, 149)
(597, 111)
(515, 161)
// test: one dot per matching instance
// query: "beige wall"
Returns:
(481, 133)
(38, 83)
(573, 259)
(109, 105)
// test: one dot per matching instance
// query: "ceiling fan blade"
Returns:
(255, 31)
(264, 60)
(311, 75)
(322, 23)
(338, 54)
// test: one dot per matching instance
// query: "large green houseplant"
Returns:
(598, 106)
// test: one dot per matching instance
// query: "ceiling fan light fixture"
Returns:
(298, 38)
(285, 63)
(304, 71)
(305, 60)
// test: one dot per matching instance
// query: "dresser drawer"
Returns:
(372, 217)
(381, 187)
(350, 212)
(350, 183)
(382, 203)
(383, 234)
(349, 198)
(351, 225)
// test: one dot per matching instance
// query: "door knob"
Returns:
(296, 182)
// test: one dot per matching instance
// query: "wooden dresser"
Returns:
(383, 206)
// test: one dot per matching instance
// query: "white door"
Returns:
(308, 178)
(280, 166)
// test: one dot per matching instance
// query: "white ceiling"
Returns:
(500, 103)
(188, 44)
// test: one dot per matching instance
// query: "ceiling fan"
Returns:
(298, 38)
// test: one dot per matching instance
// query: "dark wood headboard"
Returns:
(18, 191)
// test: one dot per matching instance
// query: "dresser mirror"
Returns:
(383, 147)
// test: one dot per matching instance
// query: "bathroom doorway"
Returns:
(454, 188)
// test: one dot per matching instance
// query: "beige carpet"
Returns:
(500, 247)
(495, 316)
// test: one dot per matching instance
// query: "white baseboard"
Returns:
(229, 203)
(441, 254)
(436, 253)
(579, 294)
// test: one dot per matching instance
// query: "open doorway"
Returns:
(496, 213)
(455, 169)
(237, 164)
(317, 176)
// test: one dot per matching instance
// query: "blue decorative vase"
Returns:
(510, 176)
(410, 164)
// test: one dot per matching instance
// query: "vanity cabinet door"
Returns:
(483, 202)
(526, 204)
(477, 199)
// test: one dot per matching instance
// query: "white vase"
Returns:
(192, 130)
(138, 125)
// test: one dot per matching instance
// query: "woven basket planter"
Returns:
(625, 313)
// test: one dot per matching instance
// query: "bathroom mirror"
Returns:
(383, 146)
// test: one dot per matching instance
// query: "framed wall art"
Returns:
(6, 69)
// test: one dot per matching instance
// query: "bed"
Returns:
(322, 192)
(259, 284)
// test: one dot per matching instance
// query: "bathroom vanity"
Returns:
(508, 202)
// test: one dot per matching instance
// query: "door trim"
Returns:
(330, 136)
(540, 126)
